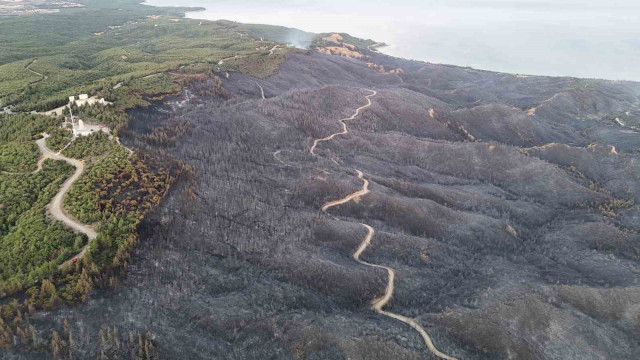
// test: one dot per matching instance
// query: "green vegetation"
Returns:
(130, 54)
(32, 246)
(59, 138)
(18, 157)
(85, 55)
(319, 41)
(18, 152)
(98, 144)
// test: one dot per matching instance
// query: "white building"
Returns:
(82, 129)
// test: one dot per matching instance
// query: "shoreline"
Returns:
(200, 12)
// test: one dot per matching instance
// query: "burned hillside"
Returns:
(506, 205)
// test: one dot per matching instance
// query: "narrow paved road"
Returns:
(377, 304)
(345, 130)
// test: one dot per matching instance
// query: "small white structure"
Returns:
(85, 100)
(80, 101)
(82, 129)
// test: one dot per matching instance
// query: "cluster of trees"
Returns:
(94, 145)
(18, 156)
(59, 138)
(131, 56)
(117, 184)
(31, 245)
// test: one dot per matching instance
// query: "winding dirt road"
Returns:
(261, 91)
(355, 196)
(532, 111)
(377, 304)
(55, 206)
(221, 62)
(28, 67)
(276, 155)
(345, 130)
(131, 152)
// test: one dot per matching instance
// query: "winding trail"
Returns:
(345, 130)
(221, 62)
(131, 152)
(261, 91)
(377, 304)
(276, 155)
(532, 111)
(273, 49)
(28, 67)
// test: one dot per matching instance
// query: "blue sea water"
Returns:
(582, 38)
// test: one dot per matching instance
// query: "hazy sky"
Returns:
(585, 38)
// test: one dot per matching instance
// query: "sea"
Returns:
(580, 38)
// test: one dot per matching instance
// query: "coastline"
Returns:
(445, 35)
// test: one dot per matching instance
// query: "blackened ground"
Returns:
(514, 231)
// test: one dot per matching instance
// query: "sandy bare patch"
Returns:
(341, 51)
(336, 38)
(381, 69)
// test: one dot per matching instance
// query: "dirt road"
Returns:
(56, 205)
(261, 91)
(28, 67)
(131, 152)
(221, 62)
(345, 130)
(377, 304)
(355, 196)
(532, 111)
